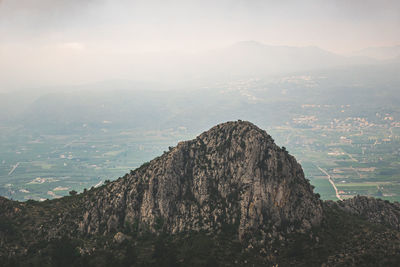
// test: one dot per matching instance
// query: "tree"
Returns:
(63, 252)
(73, 193)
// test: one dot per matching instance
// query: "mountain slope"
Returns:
(228, 197)
(253, 59)
(382, 53)
(231, 174)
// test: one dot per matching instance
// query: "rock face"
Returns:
(229, 197)
(372, 209)
(232, 175)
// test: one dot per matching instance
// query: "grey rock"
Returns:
(120, 237)
(232, 174)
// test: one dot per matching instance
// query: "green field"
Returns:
(361, 158)
(51, 166)
(360, 154)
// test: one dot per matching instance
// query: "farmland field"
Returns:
(361, 157)
(41, 167)
(347, 139)
(48, 166)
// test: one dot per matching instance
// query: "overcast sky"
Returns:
(39, 37)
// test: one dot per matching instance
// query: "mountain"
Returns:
(257, 60)
(228, 197)
(379, 52)
(231, 174)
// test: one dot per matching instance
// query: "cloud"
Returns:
(72, 39)
(72, 46)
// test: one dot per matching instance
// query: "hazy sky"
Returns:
(51, 41)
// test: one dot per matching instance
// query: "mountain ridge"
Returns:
(195, 180)
(230, 196)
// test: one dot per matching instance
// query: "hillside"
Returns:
(228, 197)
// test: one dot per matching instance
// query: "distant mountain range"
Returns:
(247, 80)
(247, 59)
(254, 59)
(266, 100)
(380, 53)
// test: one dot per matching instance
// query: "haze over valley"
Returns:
(341, 122)
(90, 91)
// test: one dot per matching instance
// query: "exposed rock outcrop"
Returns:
(228, 197)
(233, 174)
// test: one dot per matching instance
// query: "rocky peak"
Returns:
(230, 196)
(230, 176)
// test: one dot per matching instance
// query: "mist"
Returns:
(56, 44)
(92, 88)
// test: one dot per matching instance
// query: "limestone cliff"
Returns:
(230, 197)
(232, 174)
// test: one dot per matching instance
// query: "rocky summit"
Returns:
(230, 197)
(232, 174)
